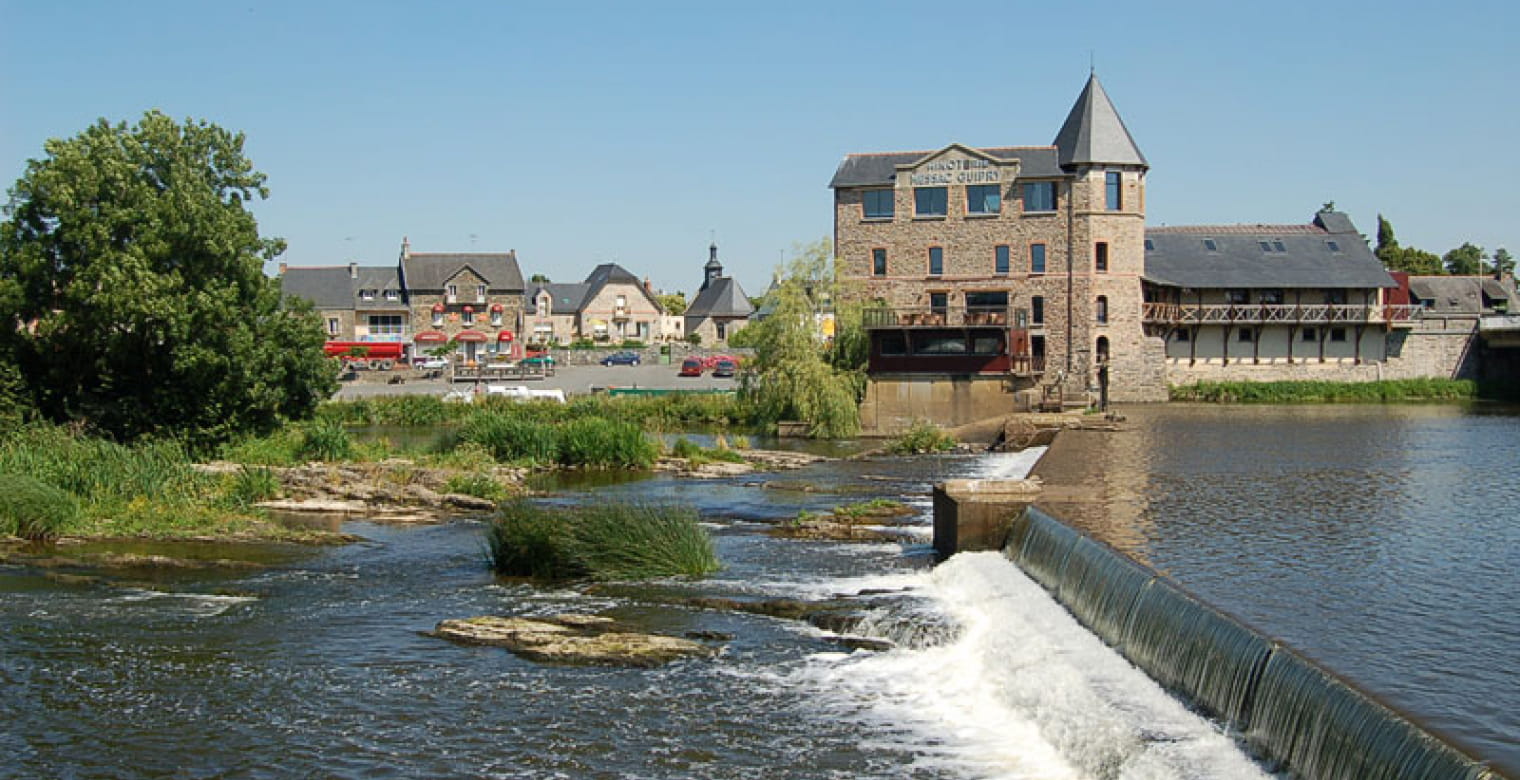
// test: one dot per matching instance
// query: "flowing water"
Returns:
(318, 666)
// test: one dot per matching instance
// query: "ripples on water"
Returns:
(318, 667)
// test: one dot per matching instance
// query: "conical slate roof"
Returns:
(1094, 134)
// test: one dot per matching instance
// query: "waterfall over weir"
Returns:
(1293, 713)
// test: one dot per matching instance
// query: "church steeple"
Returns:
(713, 269)
(1094, 134)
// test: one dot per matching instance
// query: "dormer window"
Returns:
(1334, 247)
(1278, 245)
(366, 295)
(393, 295)
(1208, 243)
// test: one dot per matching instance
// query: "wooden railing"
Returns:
(932, 317)
(1267, 313)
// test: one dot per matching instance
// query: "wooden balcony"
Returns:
(945, 317)
(1284, 314)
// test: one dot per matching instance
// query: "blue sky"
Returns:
(579, 133)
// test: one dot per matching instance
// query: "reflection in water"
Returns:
(1375, 539)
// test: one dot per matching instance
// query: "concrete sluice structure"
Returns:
(1294, 715)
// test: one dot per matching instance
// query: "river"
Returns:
(319, 665)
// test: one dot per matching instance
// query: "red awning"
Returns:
(438, 308)
(470, 335)
(430, 337)
(505, 335)
(497, 307)
(469, 310)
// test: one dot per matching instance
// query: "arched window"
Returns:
(1102, 350)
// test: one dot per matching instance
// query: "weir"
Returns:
(1298, 717)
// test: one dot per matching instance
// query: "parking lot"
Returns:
(574, 380)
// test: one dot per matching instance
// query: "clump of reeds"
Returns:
(1308, 391)
(326, 440)
(477, 484)
(605, 541)
(32, 509)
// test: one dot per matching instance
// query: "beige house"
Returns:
(611, 306)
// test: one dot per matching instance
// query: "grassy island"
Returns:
(1313, 392)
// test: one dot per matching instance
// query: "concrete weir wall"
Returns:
(1299, 718)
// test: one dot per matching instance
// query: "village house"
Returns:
(471, 300)
(611, 305)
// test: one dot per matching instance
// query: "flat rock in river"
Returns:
(572, 639)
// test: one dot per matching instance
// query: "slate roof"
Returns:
(723, 298)
(612, 273)
(327, 287)
(567, 298)
(1179, 257)
(1093, 133)
(432, 270)
(880, 168)
(379, 279)
(1459, 294)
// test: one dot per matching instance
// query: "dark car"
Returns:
(692, 366)
(725, 368)
(621, 359)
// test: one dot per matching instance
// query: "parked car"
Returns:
(545, 361)
(711, 361)
(621, 359)
(692, 366)
(432, 363)
(725, 368)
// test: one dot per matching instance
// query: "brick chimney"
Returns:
(353, 270)
(284, 267)
(648, 287)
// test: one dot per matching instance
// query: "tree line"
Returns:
(1466, 260)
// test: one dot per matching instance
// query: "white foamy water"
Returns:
(1023, 691)
(1015, 688)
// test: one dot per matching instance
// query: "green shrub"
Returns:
(33, 509)
(508, 438)
(281, 448)
(1304, 391)
(477, 485)
(685, 448)
(602, 443)
(326, 440)
(606, 541)
(252, 484)
(922, 437)
(526, 541)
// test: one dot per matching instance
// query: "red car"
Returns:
(712, 361)
(692, 366)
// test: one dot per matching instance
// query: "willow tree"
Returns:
(133, 298)
(795, 374)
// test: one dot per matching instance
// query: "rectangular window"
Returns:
(1310, 334)
(480, 292)
(940, 345)
(1037, 309)
(893, 344)
(332, 326)
(452, 291)
(939, 302)
(931, 201)
(1246, 334)
(1149, 245)
(1337, 334)
(1037, 258)
(1208, 243)
(936, 260)
(1335, 297)
(878, 262)
(385, 325)
(987, 308)
(878, 204)
(1000, 259)
(722, 328)
(984, 199)
(1100, 311)
(1100, 257)
(1180, 335)
(1040, 196)
(1334, 247)
(1265, 247)
(1270, 297)
(1238, 297)
(1113, 182)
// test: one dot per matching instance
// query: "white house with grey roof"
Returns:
(1270, 302)
(721, 308)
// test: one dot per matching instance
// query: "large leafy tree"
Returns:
(1465, 260)
(796, 373)
(1404, 258)
(1504, 262)
(132, 293)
